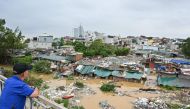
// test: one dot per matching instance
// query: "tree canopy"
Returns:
(186, 47)
(98, 48)
(10, 40)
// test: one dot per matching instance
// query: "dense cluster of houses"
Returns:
(148, 55)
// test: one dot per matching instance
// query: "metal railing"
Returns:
(40, 102)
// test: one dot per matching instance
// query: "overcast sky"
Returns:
(160, 18)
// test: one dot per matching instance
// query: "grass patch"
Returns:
(70, 78)
(79, 84)
(171, 88)
(107, 87)
(174, 106)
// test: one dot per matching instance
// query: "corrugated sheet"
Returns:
(134, 75)
(102, 73)
(174, 81)
(116, 73)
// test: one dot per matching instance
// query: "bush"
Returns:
(45, 86)
(65, 102)
(77, 107)
(122, 51)
(42, 66)
(79, 84)
(107, 87)
(23, 60)
(8, 73)
(174, 106)
(34, 82)
(70, 78)
(172, 88)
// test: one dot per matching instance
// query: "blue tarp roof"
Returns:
(176, 61)
(134, 75)
(102, 72)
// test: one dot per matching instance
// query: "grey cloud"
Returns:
(126, 17)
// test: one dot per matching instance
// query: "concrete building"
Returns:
(79, 32)
(43, 42)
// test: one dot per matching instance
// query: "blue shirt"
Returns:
(14, 93)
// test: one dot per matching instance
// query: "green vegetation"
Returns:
(121, 51)
(174, 106)
(77, 107)
(172, 88)
(45, 86)
(34, 82)
(70, 78)
(79, 84)
(107, 87)
(98, 48)
(58, 43)
(185, 47)
(24, 60)
(42, 66)
(65, 102)
(10, 40)
(8, 73)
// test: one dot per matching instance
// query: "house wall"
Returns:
(34, 45)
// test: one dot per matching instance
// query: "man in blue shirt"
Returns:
(16, 90)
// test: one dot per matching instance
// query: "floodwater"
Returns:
(119, 102)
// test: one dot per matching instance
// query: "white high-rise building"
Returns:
(79, 32)
(76, 32)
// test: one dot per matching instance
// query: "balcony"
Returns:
(35, 103)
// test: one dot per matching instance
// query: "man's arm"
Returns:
(35, 93)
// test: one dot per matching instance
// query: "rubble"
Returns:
(105, 105)
(59, 92)
(144, 103)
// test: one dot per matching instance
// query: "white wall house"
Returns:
(44, 42)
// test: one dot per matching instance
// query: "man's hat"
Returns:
(21, 68)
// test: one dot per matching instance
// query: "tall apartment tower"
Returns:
(79, 32)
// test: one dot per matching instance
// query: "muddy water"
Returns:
(119, 102)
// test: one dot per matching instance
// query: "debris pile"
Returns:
(59, 92)
(105, 105)
(144, 103)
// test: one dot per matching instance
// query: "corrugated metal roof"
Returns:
(102, 73)
(134, 75)
(52, 57)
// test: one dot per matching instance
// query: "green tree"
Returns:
(10, 40)
(122, 51)
(24, 60)
(186, 47)
(79, 46)
(42, 66)
(61, 42)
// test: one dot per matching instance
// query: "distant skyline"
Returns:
(157, 18)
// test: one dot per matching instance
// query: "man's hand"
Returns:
(35, 93)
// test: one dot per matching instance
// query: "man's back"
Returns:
(14, 93)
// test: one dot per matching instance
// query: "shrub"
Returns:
(172, 88)
(65, 102)
(174, 106)
(79, 84)
(23, 60)
(70, 78)
(107, 87)
(77, 107)
(8, 73)
(42, 66)
(34, 82)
